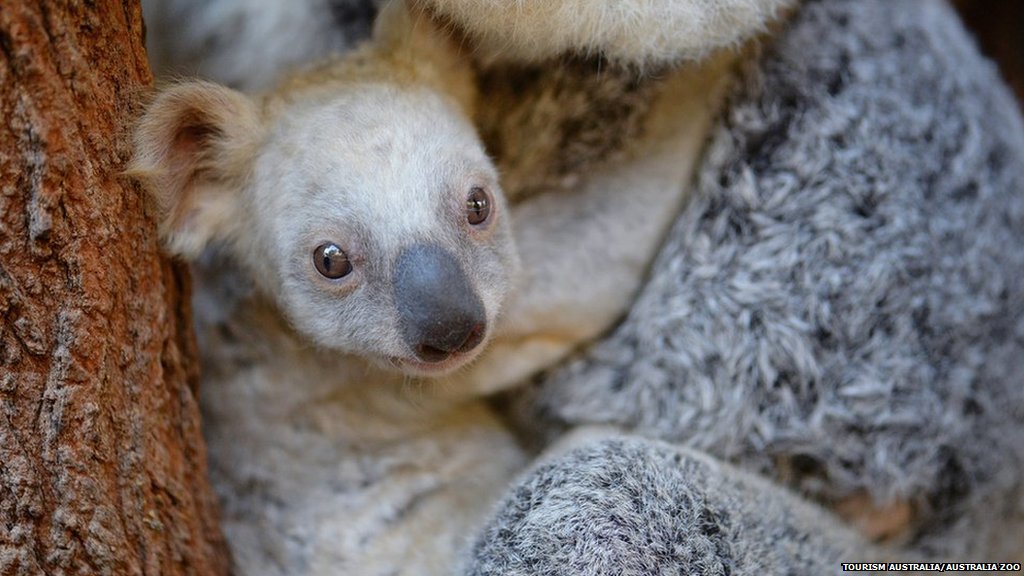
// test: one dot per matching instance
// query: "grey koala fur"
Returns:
(840, 306)
(636, 507)
(838, 309)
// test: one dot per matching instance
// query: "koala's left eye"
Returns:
(331, 261)
(478, 206)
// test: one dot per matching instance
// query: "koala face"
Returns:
(357, 196)
(377, 222)
(369, 213)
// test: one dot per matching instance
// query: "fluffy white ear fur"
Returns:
(192, 151)
(634, 32)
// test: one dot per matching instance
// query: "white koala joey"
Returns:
(349, 232)
(359, 288)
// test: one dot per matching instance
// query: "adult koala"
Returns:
(838, 310)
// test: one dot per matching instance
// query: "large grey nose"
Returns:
(439, 312)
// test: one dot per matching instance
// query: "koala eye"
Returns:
(331, 261)
(478, 206)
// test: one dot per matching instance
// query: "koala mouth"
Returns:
(432, 361)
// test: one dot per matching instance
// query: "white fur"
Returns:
(646, 32)
(326, 465)
(377, 189)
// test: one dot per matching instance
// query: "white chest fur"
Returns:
(326, 465)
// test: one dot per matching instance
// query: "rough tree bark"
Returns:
(102, 463)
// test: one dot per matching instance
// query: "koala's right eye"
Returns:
(331, 261)
(478, 206)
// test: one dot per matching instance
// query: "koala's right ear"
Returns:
(193, 149)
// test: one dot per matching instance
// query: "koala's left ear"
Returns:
(409, 33)
(193, 149)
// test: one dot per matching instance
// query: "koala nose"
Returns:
(439, 312)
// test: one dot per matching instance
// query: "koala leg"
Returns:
(585, 251)
(631, 506)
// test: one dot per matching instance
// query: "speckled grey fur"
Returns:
(841, 305)
(633, 507)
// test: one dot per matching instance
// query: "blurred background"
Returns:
(999, 26)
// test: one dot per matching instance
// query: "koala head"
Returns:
(358, 199)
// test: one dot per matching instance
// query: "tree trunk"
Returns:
(102, 462)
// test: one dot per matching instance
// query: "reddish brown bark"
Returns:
(102, 463)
